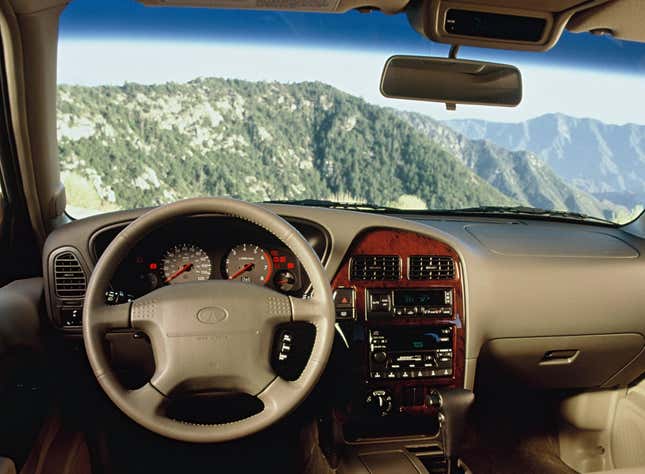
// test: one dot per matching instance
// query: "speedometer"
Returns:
(185, 262)
(248, 263)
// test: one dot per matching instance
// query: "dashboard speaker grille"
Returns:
(431, 267)
(69, 277)
(375, 267)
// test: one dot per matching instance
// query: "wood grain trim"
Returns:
(381, 241)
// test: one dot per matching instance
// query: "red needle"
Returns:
(183, 269)
(244, 269)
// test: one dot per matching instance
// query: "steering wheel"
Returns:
(216, 333)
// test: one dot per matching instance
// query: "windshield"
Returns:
(158, 104)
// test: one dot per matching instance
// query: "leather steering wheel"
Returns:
(216, 333)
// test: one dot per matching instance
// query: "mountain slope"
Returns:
(596, 157)
(137, 145)
(519, 174)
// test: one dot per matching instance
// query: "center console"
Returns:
(399, 305)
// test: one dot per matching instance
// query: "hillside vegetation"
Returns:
(139, 145)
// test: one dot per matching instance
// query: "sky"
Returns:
(122, 41)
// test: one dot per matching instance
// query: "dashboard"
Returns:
(420, 302)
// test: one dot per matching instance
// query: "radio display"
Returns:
(420, 297)
(416, 339)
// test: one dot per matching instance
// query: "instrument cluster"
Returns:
(202, 248)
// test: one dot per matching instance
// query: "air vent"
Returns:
(69, 277)
(376, 267)
(431, 267)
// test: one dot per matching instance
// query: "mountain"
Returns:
(518, 174)
(603, 159)
(136, 145)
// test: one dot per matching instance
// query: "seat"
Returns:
(7, 466)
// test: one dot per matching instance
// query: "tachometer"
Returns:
(185, 262)
(248, 263)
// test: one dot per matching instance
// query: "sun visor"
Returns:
(495, 24)
(623, 19)
(322, 6)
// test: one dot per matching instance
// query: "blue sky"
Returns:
(121, 40)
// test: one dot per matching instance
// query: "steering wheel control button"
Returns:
(292, 348)
(285, 341)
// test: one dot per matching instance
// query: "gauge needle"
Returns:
(244, 269)
(183, 269)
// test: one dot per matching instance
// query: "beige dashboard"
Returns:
(553, 304)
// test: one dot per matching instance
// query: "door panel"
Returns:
(23, 402)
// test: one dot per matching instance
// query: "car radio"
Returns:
(424, 302)
(411, 352)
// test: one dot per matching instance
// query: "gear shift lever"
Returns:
(453, 406)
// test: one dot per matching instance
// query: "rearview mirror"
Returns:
(452, 81)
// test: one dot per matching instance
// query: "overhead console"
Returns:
(399, 299)
(523, 25)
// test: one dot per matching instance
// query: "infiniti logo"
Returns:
(212, 314)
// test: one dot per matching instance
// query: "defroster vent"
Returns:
(69, 277)
(375, 267)
(431, 267)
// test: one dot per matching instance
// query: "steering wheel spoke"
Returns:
(146, 400)
(112, 317)
(308, 310)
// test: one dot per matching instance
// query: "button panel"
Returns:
(411, 353)
(345, 303)
(71, 316)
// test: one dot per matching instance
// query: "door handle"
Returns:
(559, 357)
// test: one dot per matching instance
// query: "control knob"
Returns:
(379, 402)
(379, 357)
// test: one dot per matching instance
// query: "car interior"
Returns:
(218, 330)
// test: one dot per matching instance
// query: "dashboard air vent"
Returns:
(69, 277)
(375, 267)
(431, 267)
